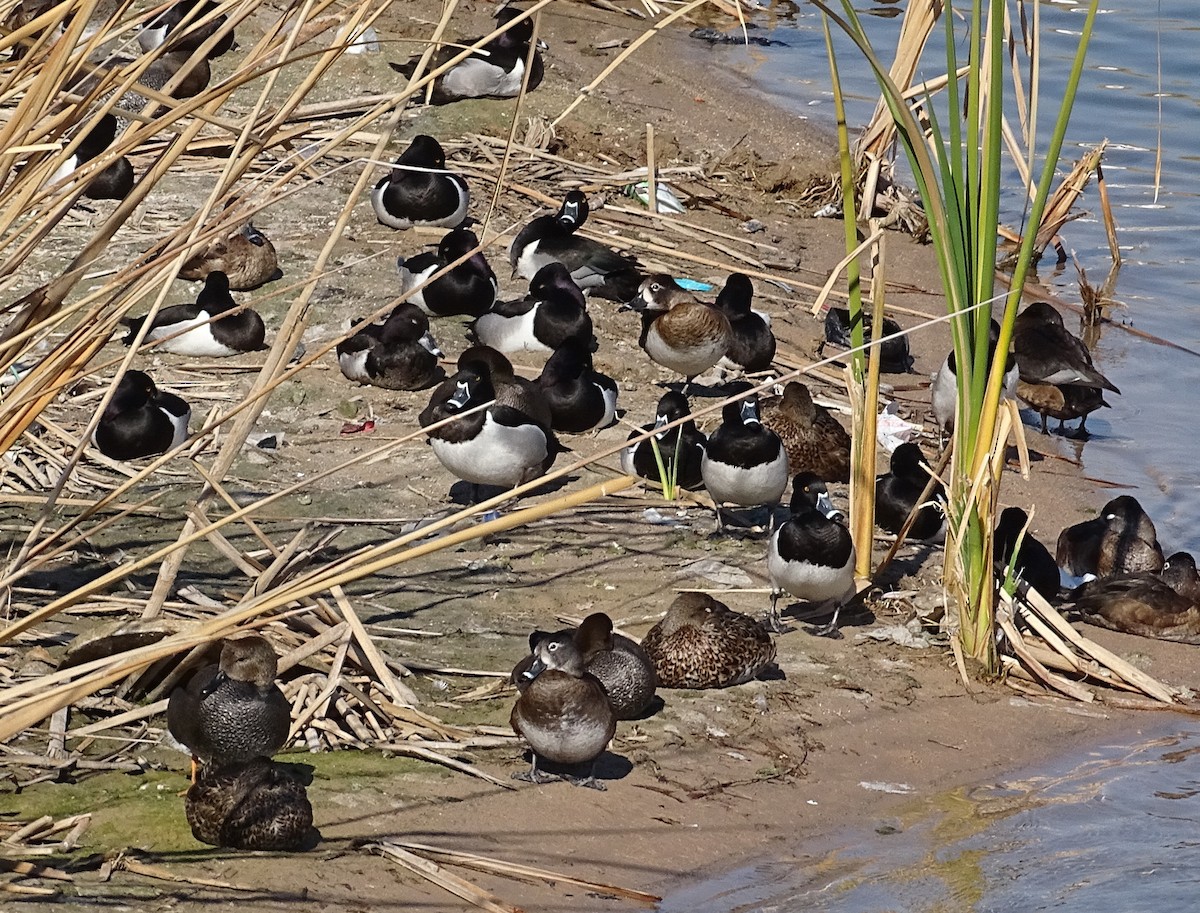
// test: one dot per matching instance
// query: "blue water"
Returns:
(1145, 442)
(1117, 828)
(1113, 830)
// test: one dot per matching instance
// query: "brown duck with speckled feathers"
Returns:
(702, 643)
(250, 805)
(814, 440)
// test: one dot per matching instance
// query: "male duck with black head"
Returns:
(898, 493)
(752, 344)
(112, 183)
(596, 269)
(141, 420)
(811, 556)
(232, 711)
(419, 190)
(625, 671)
(205, 328)
(680, 449)
(744, 462)
(468, 289)
(398, 354)
(580, 397)
(552, 313)
(680, 332)
(498, 445)
(496, 70)
(563, 712)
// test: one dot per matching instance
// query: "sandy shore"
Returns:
(714, 779)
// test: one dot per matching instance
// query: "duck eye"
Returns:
(552, 647)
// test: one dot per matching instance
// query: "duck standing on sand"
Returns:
(554, 312)
(468, 289)
(744, 462)
(680, 449)
(680, 332)
(1056, 373)
(140, 420)
(1121, 540)
(943, 392)
(625, 671)
(1034, 564)
(203, 328)
(580, 398)
(752, 344)
(702, 643)
(898, 492)
(247, 258)
(420, 191)
(398, 354)
(563, 711)
(596, 269)
(811, 555)
(250, 805)
(815, 441)
(232, 711)
(494, 446)
(496, 70)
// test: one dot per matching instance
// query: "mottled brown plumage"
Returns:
(247, 257)
(625, 671)
(1142, 604)
(233, 711)
(564, 712)
(814, 440)
(702, 643)
(1063, 403)
(250, 805)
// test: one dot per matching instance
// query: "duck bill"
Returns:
(536, 668)
(217, 681)
(461, 397)
(825, 506)
(660, 422)
(750, 414)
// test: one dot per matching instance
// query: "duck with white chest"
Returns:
(744, 461)
(140, 420)
(206, 328)
(680, 332)
(811, 555)
(553, 313)
(498, 445)
(420, 191)
(597, 269)
(466, 289)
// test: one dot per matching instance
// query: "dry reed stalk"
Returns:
(1036, 669)
(428, 754)
(435, 874)
(1110, 222)
(519, 870)
(834, 274)
(917, 26)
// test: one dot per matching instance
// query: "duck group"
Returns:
(541, 356)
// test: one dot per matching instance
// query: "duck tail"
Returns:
(407, 68)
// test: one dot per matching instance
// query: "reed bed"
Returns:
(347, 688)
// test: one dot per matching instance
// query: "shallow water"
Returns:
(1145, 441)
(1111, 829)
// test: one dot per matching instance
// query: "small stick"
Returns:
(433, 872)
(651, 171)
(413, 751)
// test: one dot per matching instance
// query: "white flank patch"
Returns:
(497, 455)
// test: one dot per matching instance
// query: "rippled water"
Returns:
(1114, 829)
(1145, 441)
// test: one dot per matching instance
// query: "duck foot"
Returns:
(589, 781)
(536, 776)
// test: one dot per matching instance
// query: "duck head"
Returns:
(423, 152)
(658, 294)
(690, 609)
(736, 296)
(553, 282)
(556, 651)
(574, 210)
(249, 659)
(810, 493)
